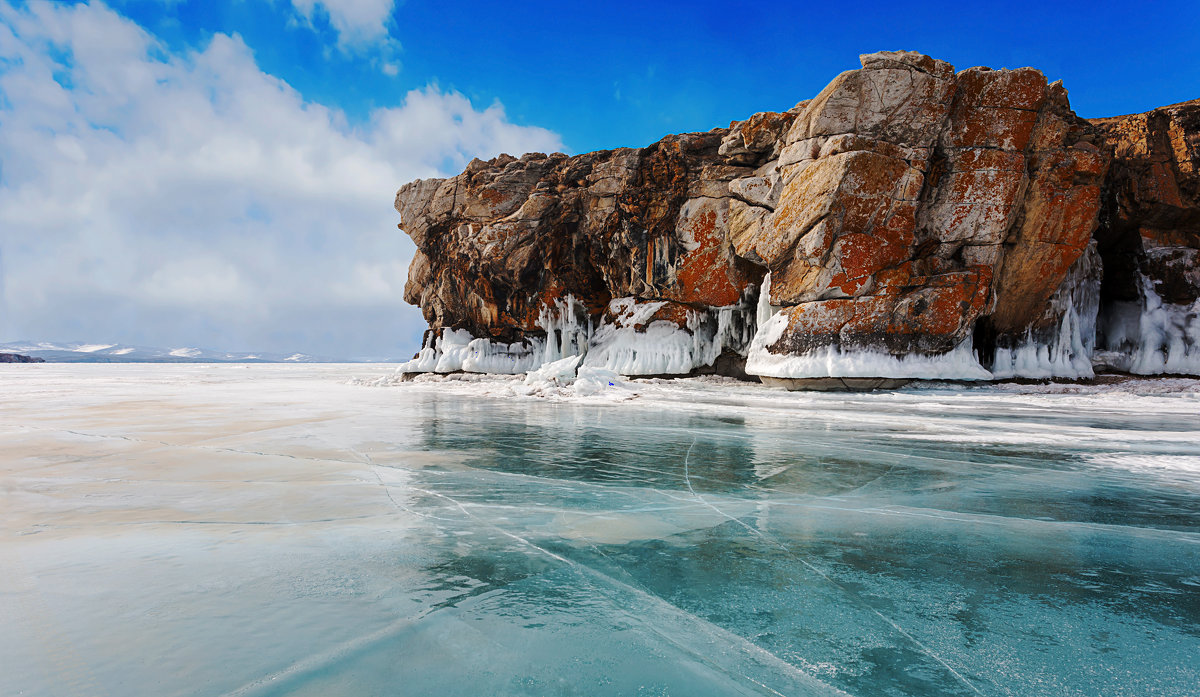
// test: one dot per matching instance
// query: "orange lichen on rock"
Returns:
(1060, 213)
(930, 317)
(904, 209)
(1152, 201)
(709, 273)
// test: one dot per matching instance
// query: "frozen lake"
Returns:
(279, 530)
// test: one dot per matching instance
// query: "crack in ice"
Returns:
(716, 630)
(845, 591)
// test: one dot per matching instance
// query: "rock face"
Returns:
(505, 239)
(19, 358)
(612, 243)
(908, 221)
(1149, 239)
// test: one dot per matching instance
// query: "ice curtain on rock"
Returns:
(909, 221)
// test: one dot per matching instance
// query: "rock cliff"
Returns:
(19, 358)
(909, 221)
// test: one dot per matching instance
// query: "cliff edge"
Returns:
(909, 221)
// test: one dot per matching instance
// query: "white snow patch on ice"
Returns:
(1179, 463)
(595, 381)
(958, 364)
(554, 374)
(554, 381)
(1130, 386)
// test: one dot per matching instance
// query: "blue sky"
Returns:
(219, 173)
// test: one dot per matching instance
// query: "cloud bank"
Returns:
(162, 199)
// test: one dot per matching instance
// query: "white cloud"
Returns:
(357, 22)
(199, 284)
(193, 199)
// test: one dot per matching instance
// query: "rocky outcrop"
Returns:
(1152, 204)
(19, 358)
(908, 221)
(623, 241)
(919, 204)
(1149, 240)
(505, 239)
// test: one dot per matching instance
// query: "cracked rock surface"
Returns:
(903, 210)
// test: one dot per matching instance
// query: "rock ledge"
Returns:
(909, 221)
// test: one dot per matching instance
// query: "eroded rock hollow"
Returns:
(909, 221)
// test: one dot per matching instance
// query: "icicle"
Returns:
(1066, 349)
(662, 348)
(1169, 336)
(567, 328)
(1067, 354)
(765, 309)
(958, 364)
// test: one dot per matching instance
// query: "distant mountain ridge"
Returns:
(56, 352)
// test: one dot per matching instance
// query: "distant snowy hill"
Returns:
(120, 353)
